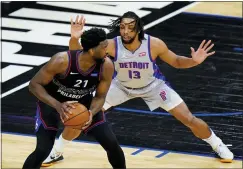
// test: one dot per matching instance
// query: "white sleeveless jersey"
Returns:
(135, 69)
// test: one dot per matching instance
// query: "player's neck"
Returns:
(132, 46)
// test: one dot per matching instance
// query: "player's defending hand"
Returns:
(202, 52)
(77, 27)
(64, 109)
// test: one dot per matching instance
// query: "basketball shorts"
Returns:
(50, 118)
(156, 94)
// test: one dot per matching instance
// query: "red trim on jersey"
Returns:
(80, 71)
(101, 70)
(43, 122)
(96, 124)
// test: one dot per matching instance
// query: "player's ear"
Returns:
(91, 51)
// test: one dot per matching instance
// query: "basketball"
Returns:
(78, 118)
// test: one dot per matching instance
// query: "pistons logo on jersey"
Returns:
(142, 54)
(163, 95)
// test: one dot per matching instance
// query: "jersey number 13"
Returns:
(134, 74)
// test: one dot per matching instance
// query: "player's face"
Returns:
(127, 30)
(101, 50)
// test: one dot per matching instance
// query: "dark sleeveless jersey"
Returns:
(75, 85)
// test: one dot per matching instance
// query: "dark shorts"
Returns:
(50, 118)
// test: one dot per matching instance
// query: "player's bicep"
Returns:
(106, 78)
(102, 88)
(165, 54)
(43, 76)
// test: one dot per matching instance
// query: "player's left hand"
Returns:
(77, 27)
(202, 52)
(89, 122)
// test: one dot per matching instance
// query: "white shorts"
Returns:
(157, 94)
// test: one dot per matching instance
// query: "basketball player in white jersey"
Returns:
(137, 75)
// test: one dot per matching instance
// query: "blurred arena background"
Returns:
(31, 32)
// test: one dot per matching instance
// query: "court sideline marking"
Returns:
(161, 152)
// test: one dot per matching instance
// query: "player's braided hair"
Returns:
(92, 38)
(115, 24)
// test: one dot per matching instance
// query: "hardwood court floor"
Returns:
(15, 149)
(218, 8)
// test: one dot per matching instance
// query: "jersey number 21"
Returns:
(79, 82)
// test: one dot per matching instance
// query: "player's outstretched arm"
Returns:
(177, 61)
(103, 87)
(76, 32)
(56, 65)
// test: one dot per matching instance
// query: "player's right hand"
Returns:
(64, 109)
(77, 27)
(89, 122)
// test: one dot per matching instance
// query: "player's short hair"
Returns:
(92, 38)
(115, 24)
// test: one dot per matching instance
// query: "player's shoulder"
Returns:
(58, 63)
(112, 42)
(111, 48)
(60, 58)
(107, 68)
(108, 65)
(156, 42)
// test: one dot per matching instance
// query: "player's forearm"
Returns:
(74, 44)
(40, 92)
(185, 62)
(97, 104)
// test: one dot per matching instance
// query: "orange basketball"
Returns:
(78, 118)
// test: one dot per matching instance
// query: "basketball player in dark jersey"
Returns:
(74, 76)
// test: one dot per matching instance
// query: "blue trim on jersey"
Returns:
(115, 74)
(94, 74)
(149, 50)
(38, 120)
(158, 75)
(116, 49)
